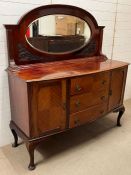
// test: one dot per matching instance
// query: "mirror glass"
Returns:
(58, 33)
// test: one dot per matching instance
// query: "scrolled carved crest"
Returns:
(25, 55)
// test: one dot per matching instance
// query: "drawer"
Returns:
(83, 101)
(87, 115)
(89, 83)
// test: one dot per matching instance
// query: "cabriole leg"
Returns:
(15, 144)
(121, 112)
(31, 147)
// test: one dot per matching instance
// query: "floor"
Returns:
(99, 148)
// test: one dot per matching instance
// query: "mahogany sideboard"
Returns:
(54, 92)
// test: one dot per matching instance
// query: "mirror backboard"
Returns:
(58, 33)
(54, 33)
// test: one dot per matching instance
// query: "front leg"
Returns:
(15, 144)
(121, 112)
(31, 148)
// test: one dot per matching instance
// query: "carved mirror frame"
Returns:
(22, 53)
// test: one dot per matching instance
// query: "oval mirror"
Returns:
(58, 33)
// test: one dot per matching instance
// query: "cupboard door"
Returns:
(118, 79)
(49, 115)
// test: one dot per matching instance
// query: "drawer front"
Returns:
(83, 101)
(89, 83)
(87, 115)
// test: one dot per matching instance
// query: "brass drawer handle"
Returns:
(110, 92)
(101, 112)
(103, 98)
(77, 103)
(78, 88)
(77, 122)
(64, 106)
(104, 81)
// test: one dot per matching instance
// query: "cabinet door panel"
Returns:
(50, 113)
(118, 78)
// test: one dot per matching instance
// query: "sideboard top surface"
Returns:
(63, 69)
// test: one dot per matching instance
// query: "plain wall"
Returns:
(114, 14)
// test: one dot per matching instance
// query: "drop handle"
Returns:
(78, 88)
(104, 81)
(110, 92)
(77, 103)
(77, 121)
(64, 106)
(101, 112)
(103, 98)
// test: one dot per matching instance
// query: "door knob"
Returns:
(78, 88)
(77, 103)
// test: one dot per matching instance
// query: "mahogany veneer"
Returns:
(53, 96)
